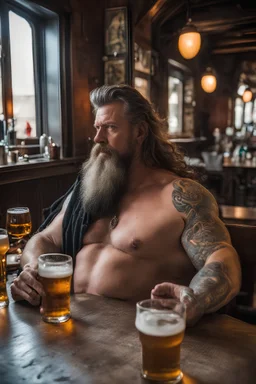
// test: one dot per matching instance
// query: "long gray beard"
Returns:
(104, 179)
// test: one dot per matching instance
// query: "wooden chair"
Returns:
(243, 238)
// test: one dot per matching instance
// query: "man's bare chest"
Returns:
(141, 229)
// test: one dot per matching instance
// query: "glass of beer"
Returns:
(18, 222)
(55, 272)
(161, 326)
(4, 246)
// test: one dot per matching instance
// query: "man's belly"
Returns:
(105, 270)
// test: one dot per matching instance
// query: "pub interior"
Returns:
(53, 54)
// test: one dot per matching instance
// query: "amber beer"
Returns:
(18, 221)
(4, 246)
(161, 327)
(55, 272)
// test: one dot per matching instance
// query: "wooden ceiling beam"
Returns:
(232, 22)
(219, 51)
(228, 42)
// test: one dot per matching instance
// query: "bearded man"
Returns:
(135, 222)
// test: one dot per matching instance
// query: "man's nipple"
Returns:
(135, 244)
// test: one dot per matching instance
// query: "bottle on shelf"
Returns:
(28, 129)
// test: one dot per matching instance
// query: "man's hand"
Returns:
(185, 295)
(27, 287)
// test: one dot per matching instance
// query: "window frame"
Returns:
(56, 122)
(178, 74)
(35, 24)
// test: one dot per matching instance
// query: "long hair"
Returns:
(157, 149)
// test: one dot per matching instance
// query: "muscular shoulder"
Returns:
(204, 233)
(190, 197)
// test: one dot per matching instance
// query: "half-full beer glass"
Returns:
(161, 326)
(55, 272)
(18, 222)
(4, 246)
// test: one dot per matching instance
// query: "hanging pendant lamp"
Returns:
(247, 95)
(208, 80)
(190, 39)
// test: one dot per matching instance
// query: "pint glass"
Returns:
(161, 327)
(55, 272)
(4, 246)
(18, 221)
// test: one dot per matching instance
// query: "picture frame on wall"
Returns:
(142, 85)
(142, 58)
(115, 71)
(116, 31)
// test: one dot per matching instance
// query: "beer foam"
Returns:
(159, 324)
(51, 272)
(4, 239)
(17, 211)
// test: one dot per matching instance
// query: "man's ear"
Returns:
(141, 132)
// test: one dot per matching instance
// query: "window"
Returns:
(30, 69)
(175, 103)
(239, 113)
(180, 100)
(22, 74)
(245, 113)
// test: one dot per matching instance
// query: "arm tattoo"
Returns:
(212, 286)
(204, 232)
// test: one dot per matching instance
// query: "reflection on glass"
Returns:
(239, 111)
(175, 104)
(22, 67)
(142, 85)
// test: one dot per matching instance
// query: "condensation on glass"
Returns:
(22, 69)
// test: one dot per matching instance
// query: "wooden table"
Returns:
(100, 345)
(236, 214)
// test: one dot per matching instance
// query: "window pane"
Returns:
(248, 112)
(239, 111)
(1, 95)
(175, 103)
(22, 66)
(254, 112)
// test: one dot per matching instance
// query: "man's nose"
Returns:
(100, 136)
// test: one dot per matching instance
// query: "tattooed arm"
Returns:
(207, 244)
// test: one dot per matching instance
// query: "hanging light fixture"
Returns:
(190, 39)
(247, 95)
(208, 80)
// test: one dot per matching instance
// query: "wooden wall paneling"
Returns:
(8, 196)
(35, 194)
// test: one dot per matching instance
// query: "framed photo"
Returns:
(142, 59)
(116, 31)
(143, 86)
(115, 71)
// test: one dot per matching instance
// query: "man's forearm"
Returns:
(35, 247)
(212, 286)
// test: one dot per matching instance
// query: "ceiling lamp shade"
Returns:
(209, 81)
(247, 95)
(189, 41)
